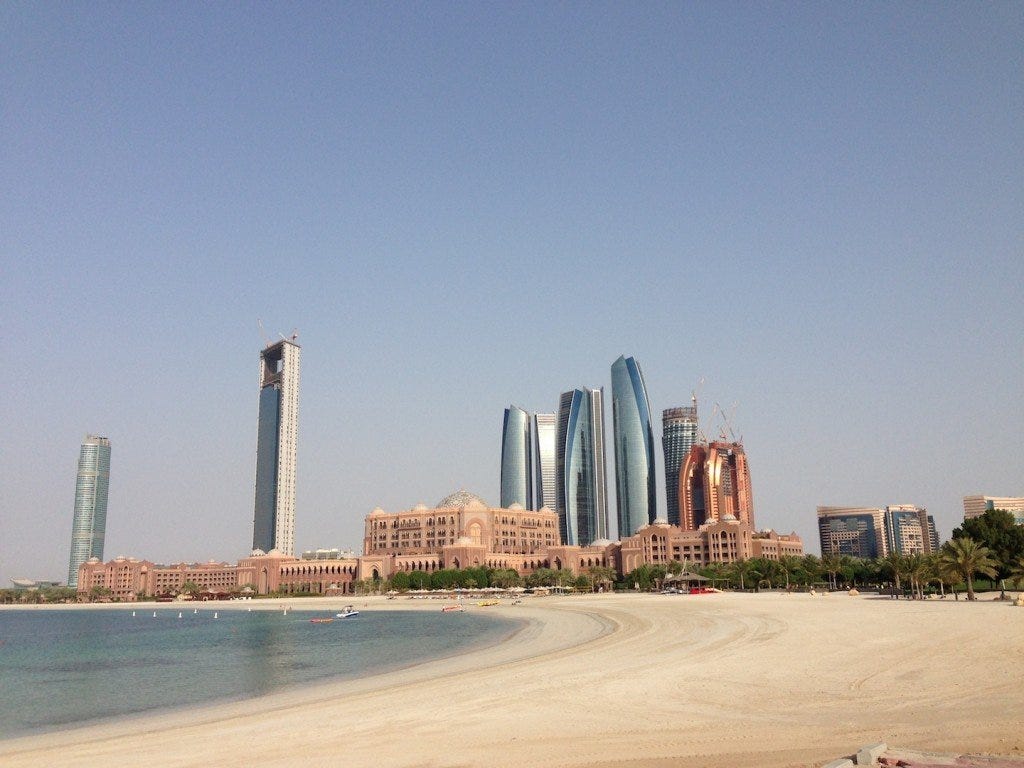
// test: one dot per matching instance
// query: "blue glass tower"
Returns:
(580, 482)
(635, 490)
(678, 436)
(88, 530)
(516, 449)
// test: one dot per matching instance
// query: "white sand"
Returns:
(631, 680)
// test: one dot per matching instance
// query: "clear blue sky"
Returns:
(816, 207)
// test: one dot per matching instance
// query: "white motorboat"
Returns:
(348, 612)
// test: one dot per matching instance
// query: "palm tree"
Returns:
(896, 565)
(744, 569)
(966, 557)
(831, 564)
(788, 566)
(1017, 572)
(917, 570)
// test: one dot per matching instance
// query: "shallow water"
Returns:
(64, 668)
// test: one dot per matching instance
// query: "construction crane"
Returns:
(726, 425)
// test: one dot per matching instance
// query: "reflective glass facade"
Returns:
(580, 484)
(678, 436)
(265, 517)
(276, 442)
(859, 532)
(635, 489)
(516, 469)
(89, 526)
(545, 427)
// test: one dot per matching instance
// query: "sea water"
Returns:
(64, 668)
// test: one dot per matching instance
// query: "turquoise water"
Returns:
(64, 668)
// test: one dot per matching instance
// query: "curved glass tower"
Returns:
(516, 448)
(580, 485)
(678, 436)
(635, 490)
(90, 524)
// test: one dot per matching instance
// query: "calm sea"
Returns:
(64, 668)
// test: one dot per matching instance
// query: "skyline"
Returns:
(816, 209)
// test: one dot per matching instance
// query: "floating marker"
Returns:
(133, 613)
(179, 614)
(215, 614)
(154, 614)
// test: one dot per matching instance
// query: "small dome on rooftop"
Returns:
(600, 543)
(419, 507)
(515, 505)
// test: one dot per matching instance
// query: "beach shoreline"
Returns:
(615, 680)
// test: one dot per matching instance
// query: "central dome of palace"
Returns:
(460, 499)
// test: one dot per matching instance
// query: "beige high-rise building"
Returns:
(977, 505)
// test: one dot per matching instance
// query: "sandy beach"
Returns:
(623, 680)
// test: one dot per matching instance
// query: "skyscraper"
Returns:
(855, 531)
(678, 436)
(545, 426)
(516, 469)
(274, 516)
(91, 487)
(908, 529)
(580, 483)
(714, 484)
(635, 489)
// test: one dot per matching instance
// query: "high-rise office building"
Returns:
(933, 534)
(580, 483)
(908, 529)
(91, 488)
(635, 490)
(545, 427)
(979, 504)
(516, 469)
(276, 442)
(714, 484)
(678, 436)
(855, 531)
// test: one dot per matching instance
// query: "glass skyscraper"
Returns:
(91, 487)
(516, 469)
(635, 489)
(276, 442)
(678, 436)
(545, 427)
(580, 482)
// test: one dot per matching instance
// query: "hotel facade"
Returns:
(462, 531)
(979, 504)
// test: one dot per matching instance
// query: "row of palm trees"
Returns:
(959, 561)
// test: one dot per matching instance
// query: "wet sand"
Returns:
(622, 680)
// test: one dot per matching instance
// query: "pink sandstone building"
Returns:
(462, 531)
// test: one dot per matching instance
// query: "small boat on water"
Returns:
(348, 612)
(452, 609)
(327, 620)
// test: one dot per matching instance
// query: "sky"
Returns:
(815, 209)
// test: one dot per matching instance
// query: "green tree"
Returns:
(504, 578)
(95, 593)
(190, 588)
(744, 571)
(399, 581)
(964, 557)
(602, 576)
(1017, 572)
(832, 565)
(998, 531)
(542, 577)
(895, 565)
